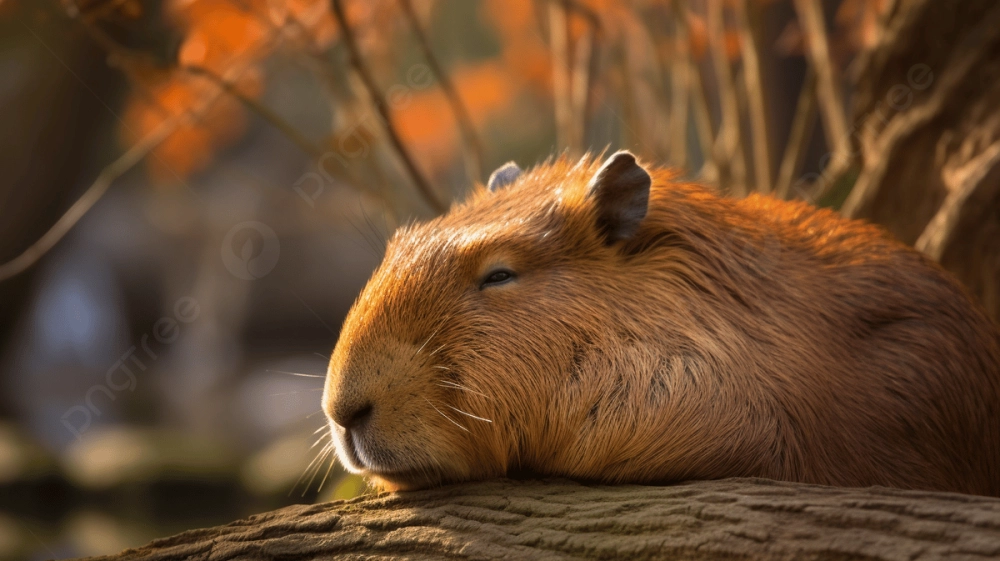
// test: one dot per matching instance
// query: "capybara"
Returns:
(602, 321)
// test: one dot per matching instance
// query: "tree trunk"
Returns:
(927, 127)
(504, 519)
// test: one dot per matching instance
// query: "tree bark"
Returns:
(504, 519)
(927, 127)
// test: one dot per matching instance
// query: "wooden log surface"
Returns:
(557, 519)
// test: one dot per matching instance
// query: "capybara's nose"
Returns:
(353, 417)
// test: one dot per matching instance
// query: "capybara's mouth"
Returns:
(348, 449)
(367, 459)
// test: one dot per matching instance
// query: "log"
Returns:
(557, 519)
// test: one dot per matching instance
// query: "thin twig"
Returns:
(680, 89)
(320, 66)
(741, 163)
(593, 19)
(472, 147)
(703, 125)
(382, 106)
(831, 104)
(561, 94)
(108, 175)
(755, 98)
(130, 60)
(96, 12)
(631, 129)
(286, 128)
(727, 141)
(379, 186)
(120, 56)
(584, 69)
(699, 101)
(316, 63)
(798, 137)
(255, 106)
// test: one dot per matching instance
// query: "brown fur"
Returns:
(727, 338)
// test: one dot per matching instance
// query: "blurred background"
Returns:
(192, 193)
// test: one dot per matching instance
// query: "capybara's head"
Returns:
(449, 362)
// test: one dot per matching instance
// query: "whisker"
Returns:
(425, 342)
(295, 392)
(372, 246)
(484, 419)
(322, 427)
(440, 325)
(304, 375)
(323, 356)
(319, 439)
(443, 415)
(378, 235)
(452, 385)
(306, 470)
(314, 413)
(329, 468)
(359, 245)
(324, 456)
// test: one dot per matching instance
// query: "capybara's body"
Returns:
(606, 323)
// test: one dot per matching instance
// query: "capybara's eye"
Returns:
(497, 277)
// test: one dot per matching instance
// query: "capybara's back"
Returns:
(603, 322)
(881, 368)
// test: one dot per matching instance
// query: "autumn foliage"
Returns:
(227, 41)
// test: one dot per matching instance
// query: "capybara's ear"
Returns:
(504, 175)
(620, 191)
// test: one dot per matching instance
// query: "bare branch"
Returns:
(802, 124)
(95, 12)
(561, 61)
(94, 193)
(255, 106)
(128, 59)
(580, 70)
(703, 125)
(472, 148)
(584, 11)
(316, 63)
(699, 98)
(727, 141)
(119, 56)
(382, 106)
(584, 70)
(755, 98)
(831, 103)
(680, 89)
(973, 191)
